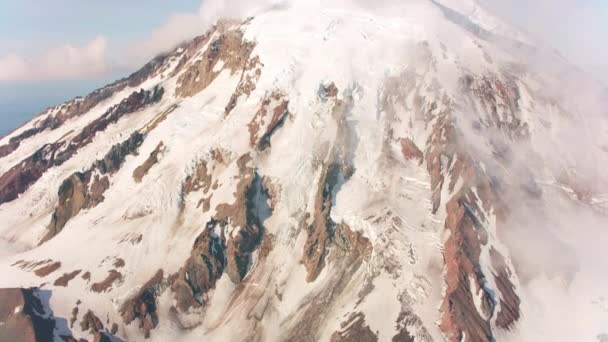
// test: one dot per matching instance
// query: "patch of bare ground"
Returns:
(107, 283)
(83, 190)
(119, 263)
(410, 150)
(509, 313)
(269, 117)
(201, 270)
(334, 173)
(92, 324)
(215, 252)
(229, 48)
(143, 306)
(48, 269)
(159, 118)
(466, 212)
(20, 177)
(131, 238)
(66, 278)
(355, 330)
(141, 171)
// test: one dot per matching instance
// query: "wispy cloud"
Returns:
(65, 62)
(577, 28)
(183, 26)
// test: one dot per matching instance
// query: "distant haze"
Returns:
(20, 101)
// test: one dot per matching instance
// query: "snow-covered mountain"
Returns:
(324, 171)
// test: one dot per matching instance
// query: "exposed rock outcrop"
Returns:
(215, 252)
(229, 51)
(202, 269)
(26, 317)
(509, 300)
(334, 174)
(66, 278)
(270, 116)
(141, 171)
(104, 285)
(84, 190)
(92, 324)
(473, 197)
(143, 306)
(354, 330)
(248, 236)
(48, 269)
(410, 150)
(21, 176)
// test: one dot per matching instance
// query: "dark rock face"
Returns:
(202, 270)
(141, 171)
(270, 116)
(466, 219)
(21, 176)
(107, 283)
(26, 316)
(249, 237)
(355, 330)
(66, 278)
(410, 150)
(80, 105)
(85, 189)
(215, 253)
(117, 154)
(229, 47)
(143, 305)
(509, 301)
(91, 323)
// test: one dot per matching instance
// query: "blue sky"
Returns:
(51, 51)
(29, 28)
(30, 25)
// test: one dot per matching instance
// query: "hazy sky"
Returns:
(577, 28)
(85, 44)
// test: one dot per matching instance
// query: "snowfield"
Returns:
(419, 176)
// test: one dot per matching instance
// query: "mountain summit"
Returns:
(408, 171)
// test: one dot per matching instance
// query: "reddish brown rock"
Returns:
(66, 278)
(230, 48)
(509, 301)
(270, 116)
(143, 305)
(107, 283)
(247, 214)
(81, 190)
(354, 330)
(200, 179)
(25, 316)
(141, 171)
(410, 150)
(48, 269)
(119, 263)
(21, 176)
(318, 233)
(201, 271)
(91, 323)
(247, 84)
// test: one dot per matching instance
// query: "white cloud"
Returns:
(178, 28)
(577, 28)
(65, 62)
(181, 27)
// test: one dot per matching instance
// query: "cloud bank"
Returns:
(65, 62)
(181, 27)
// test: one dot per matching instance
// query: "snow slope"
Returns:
(327, 170)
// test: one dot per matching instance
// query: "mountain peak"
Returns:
(320, 171)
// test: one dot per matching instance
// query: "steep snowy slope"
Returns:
(324, 171)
